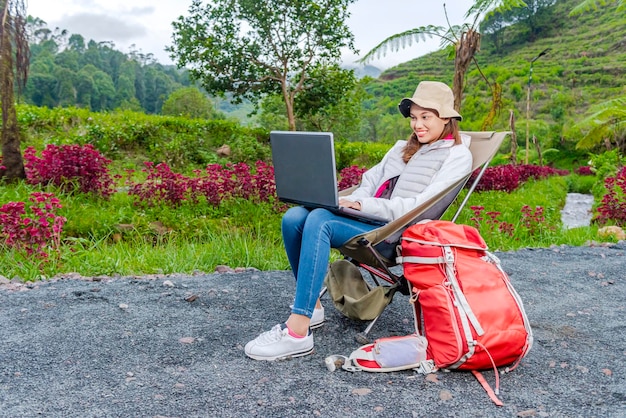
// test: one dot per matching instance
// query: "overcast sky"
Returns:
(147, 24)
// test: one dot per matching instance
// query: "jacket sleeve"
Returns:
(455, 167)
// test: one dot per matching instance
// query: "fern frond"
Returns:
(404, 40)
(591, 5)
(605, 119)
(481, 7)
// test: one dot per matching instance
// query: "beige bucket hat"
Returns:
(431, 95)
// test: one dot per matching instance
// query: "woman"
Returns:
(434, 157)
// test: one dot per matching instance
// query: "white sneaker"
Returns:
(317, 319)
(277, 344)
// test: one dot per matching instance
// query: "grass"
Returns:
(198, 237)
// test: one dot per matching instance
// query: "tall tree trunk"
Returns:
(12, 167)
(538, 148)
(513, 138)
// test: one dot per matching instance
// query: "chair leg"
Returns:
(362, 337)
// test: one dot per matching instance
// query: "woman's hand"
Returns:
(349, 204)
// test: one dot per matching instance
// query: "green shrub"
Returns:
(178, 141)
(580, 184)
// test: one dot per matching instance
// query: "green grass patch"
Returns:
(117, 237)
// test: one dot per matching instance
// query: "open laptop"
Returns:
(306, 174)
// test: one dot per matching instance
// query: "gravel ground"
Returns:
(172, 346)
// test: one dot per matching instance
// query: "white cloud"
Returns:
(98, 27)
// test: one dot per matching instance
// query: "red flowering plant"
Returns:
(493, 224)
(70, 167)
(532, 223)
(612, 208)
(34, 229)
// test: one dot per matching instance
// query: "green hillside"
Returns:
(585, 66)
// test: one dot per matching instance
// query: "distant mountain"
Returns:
(364, 70)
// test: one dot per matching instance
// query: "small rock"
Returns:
(362, 391)
(168, 283)
(191, 298)
(612, 231)
(224, 269)
(445, 395)
(223, 151)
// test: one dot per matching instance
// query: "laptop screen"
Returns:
(304, 168)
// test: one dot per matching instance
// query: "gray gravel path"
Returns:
(173, 347)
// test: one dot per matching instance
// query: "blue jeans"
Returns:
(308, 236)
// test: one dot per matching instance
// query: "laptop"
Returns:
(305, 173)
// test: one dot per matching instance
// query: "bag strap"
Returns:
(420, 260)
(458, 293)
(439, 244)
(485, 385)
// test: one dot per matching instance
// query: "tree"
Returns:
(190, 103)
(253, 48)
(465, 38)
(13, 68)
(536, 18)
(332, 101)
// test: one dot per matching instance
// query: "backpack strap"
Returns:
(487, 388)
(458, 293)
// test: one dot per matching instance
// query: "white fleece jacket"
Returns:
(432, 169)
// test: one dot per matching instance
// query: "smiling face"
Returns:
(426, 124)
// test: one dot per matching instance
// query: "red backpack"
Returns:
(465, 304)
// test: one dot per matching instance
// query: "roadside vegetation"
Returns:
(77, 213)
(129, 170)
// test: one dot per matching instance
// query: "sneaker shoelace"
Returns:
(271, 336)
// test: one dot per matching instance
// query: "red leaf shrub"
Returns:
(502, 177)
(33, 229)
(70, 167)
(527, 172)
(613, 204)
(161, 185)
(509, 177)
(584, 170)
(215, 183)
(350, 176)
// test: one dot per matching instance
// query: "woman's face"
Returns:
(427, 125)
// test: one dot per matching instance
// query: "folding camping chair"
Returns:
(375, 251)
